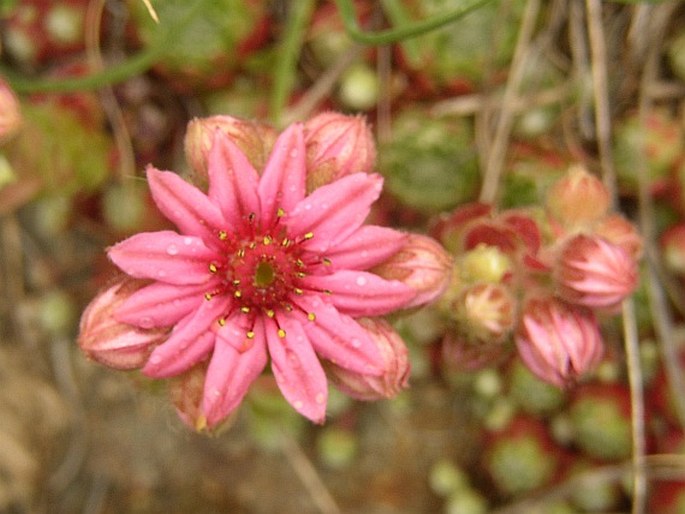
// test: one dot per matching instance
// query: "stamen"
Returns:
(208, 296)
(280, 212)
(250, 334)
(223, 235)
(285, 242)
(245, 310)
(298, 290)
(236, 282)
(308, 235)
(221, 322)
(300, 274)
(238, 294)
(281, 333)
(311, 316)
(327, 291)
(288, 307)
(270, 313)
(241, 253)
(213, 268)
(300, 263)
(267, 240)
(251, 217)
(252, 245)
(327, 261)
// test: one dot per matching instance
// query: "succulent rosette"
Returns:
(261, 271)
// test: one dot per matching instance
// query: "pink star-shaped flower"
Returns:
(261, 271)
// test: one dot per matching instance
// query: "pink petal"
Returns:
(283, 183)
(190, 341)
(160, 305)
(164, 256)
(297, 370)
(232, 181)
(335, 211)
(230, 374)
(339, 338)
(359, 293)
(186, 206)
(367, 246)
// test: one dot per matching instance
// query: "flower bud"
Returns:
(578, 198)
(422, 264)
(395, 365)
(109, 342)
(485, 264)
(253, 138)
(557, 341)
(337, 145)
(485, 312)
(619, 231)
(592, 272)
(673, 249)
(10, 116)
(186, 392)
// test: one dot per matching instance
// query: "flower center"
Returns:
(264, 275)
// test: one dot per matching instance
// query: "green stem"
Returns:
(384, 37)
(291, 44)
(135, 65)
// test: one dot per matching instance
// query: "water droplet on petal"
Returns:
(172, 250)
(356, 343)
(293, 153)
(361, 280)
(307, 206)
(320, 398)
(187, 241)
(298, 404)
(215, 392)
(155, 359)
(161, 273)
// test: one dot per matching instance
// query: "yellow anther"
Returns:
(298, 291)
(213, 268)
(223, 235)
(250, 334)
(270, 313)
(280, 213)
(300, 263)
(252, 245)
(267, 240)
(327, 291)
(308, 235)
(251, 217)
(288, 307)
(311, 316)
(238, 294)
(300, 274)
(245, 310)
(327, 261)
(241, 253)
(285, 241)
(208, 296)
(281, 333)
(221, 321)
(236, 282)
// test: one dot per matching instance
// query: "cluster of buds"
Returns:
(541, 276)
(272, 264)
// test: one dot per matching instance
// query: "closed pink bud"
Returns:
(253, 138)
(485, 312)
(337, 145)
(578, 198)
(186, 392)
(673, 249)
(10, 115)
(114, 344)
(558, 342)
(621, 232)
(422, 264)
(395, 366)
(591, 271)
